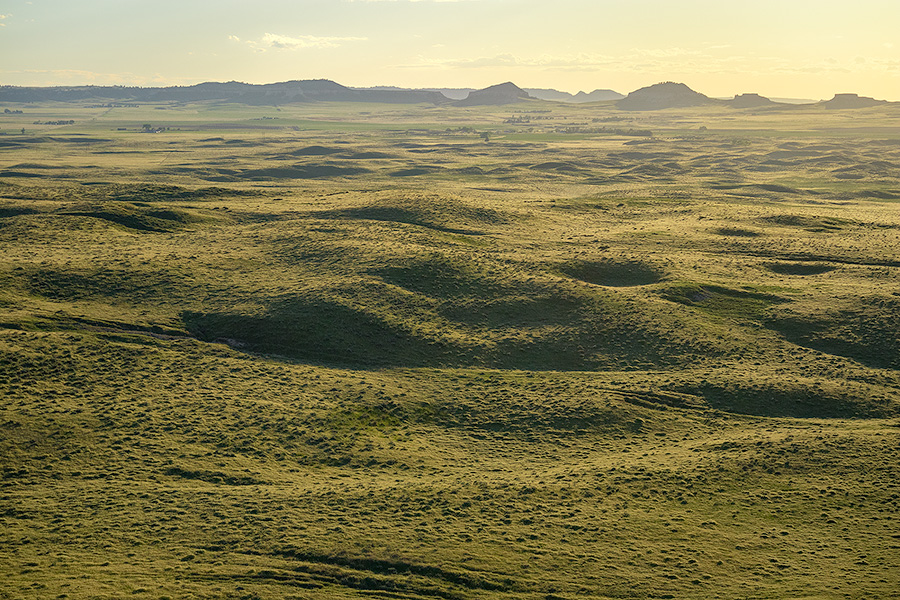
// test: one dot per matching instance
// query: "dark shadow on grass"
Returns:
(315, 151)
(869, 335)
(786, 268)
(302, 171)
(613, 272)
(440, 214)
(15, 211)
(135, 217)
(318, 330)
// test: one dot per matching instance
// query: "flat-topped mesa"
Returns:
(663, 95)
(843, 101)
(503, 93)
(750, 101)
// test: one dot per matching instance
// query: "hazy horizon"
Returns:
(572, 92)
(797, 50)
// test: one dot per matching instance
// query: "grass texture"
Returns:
(357, 351)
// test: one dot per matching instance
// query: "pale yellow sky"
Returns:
(785, 48)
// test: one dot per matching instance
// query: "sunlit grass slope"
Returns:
(756, 308)
(372, 355)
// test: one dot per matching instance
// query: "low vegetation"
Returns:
(370, 352)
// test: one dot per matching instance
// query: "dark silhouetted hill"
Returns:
(663, 95)
(654, 97)
(843, 101)
(750, 101)
(558, 96)
(598, 96)
(503, 93)
(314, 90)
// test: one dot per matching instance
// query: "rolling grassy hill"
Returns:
(357, 351)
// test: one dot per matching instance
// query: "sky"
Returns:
(777, 48)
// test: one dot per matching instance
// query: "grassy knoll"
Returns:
(358, 351)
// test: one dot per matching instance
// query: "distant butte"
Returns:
(750, 101)
(579, 98)
(598, 96)
(503, 93)
(843, 101)
(655, 97)
(661, 96)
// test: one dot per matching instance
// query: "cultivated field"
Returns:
(538, 351)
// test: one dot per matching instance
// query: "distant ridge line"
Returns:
(659, 96)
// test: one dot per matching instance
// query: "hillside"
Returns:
(661, 96)
(495, 95)
(364, 350)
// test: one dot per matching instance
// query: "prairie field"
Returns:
(536, 351)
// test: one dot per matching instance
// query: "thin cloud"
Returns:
(274, 41)
(663, 61)
(668, 52)
(51, 77)
(580, 61)
(3, 18)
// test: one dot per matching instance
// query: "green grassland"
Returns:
(536, 351)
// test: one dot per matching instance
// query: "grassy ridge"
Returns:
(324, 285)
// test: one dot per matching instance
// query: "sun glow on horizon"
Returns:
(799, 49)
